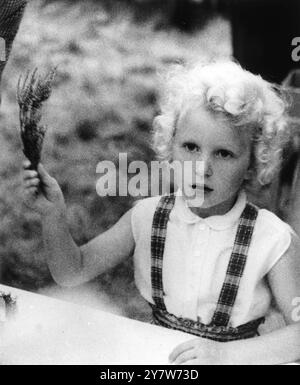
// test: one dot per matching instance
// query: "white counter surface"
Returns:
(47, 331)
(50, 331)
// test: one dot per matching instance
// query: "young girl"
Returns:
(211, 269)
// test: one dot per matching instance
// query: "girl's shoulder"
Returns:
(142, 215)
(149, 202)
(272, 237)
(269, 222)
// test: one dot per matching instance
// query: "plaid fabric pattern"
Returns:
(11, 12)
(236, 266)
(219, 329)
(158, 236)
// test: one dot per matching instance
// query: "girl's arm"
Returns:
(279, 347)
(69, 264)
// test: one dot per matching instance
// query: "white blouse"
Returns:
(196, 257)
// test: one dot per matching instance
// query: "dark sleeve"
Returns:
(11, 12)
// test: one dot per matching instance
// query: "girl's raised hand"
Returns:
(41, 191)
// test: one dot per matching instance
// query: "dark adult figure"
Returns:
(263, 31)
(186, 15)
(11, 12)
(189, 15)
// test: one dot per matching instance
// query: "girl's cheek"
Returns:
(239, 177)
(230, 174)
(183, 156)
(177, 153)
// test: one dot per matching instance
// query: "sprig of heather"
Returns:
(32, 92)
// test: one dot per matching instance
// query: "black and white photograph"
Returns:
(150, 185)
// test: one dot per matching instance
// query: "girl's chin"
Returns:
(203, 202)
(201, 199)
(200, 204)
(195, 203)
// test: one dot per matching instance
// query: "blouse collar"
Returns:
(182, 212)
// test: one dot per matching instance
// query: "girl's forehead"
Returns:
(199, 123)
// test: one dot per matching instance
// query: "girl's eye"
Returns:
(191, 147)
(224, 154)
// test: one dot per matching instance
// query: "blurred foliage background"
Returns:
(108, 54)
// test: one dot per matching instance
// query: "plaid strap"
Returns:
(236, 266)
(158, 237)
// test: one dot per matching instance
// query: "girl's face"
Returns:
(224, 153)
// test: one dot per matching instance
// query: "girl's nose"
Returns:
(208, 170)
(205, 167)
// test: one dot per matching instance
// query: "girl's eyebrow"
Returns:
(189, 141)
(221, 146)
(229, 148)
(235, 148)
(192, 141)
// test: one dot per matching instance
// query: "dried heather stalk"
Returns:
(10, 304)
(31, 94)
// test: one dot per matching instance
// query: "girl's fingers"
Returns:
(185, 357)
(30, 192)
(193, 362)
(46, 179)
(181, 349)
(29, 174)
(32, 189)
(32, 182)
(26, 164)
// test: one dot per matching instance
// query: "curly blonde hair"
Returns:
(229, 91)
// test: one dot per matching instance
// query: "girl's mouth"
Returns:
(205, 188)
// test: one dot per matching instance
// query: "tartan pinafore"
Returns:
(219, 329)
